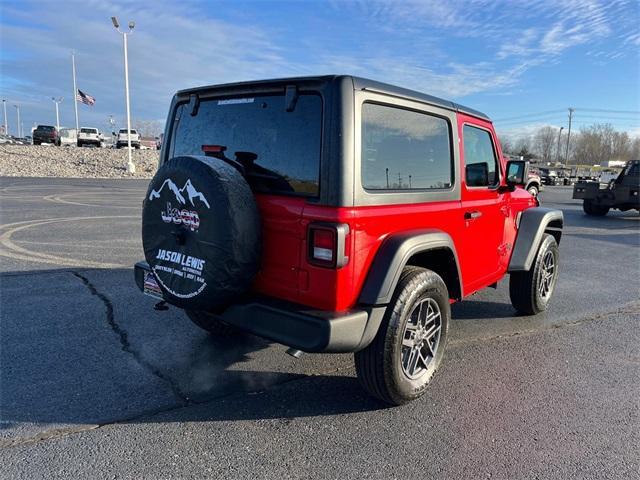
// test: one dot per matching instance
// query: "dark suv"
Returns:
(46, 134)
(338, 214)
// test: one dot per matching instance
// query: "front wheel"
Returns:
(531, 291)
(408, 348)
(533, 191)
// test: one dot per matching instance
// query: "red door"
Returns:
(483, 205)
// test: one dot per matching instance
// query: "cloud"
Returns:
(452, 49)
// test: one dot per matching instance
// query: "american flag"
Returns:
(84, 98)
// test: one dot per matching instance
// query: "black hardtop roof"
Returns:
(359, 83)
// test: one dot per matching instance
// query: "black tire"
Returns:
(381, 366)
(210, 323)
(528, 294)
(594, 209)
(201, 232)
(533, 190)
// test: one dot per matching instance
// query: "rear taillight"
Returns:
(327, 243)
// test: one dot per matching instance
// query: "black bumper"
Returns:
(295, 325)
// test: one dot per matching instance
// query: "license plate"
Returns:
(151, 286)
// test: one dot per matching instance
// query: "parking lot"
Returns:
(96, 383)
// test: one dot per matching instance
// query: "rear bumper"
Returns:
(296, 325)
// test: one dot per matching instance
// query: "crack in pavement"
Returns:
(126, 345)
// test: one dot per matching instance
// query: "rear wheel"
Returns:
(408, 348)
(531, 291)
(533, 190)
(593, 209)
(211, 323)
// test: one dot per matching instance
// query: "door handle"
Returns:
(472, 215)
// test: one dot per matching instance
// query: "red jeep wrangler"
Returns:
(338, 214)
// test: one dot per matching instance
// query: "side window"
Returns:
(480, 159)
(404, 150)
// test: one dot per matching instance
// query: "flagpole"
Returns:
(75, 91)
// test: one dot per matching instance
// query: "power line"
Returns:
(633, 112)
(526, 115)
(550, 112)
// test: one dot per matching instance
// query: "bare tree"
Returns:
(545, 140)
(601, 142)
(507, 146)
(148, 128)
(634, 149)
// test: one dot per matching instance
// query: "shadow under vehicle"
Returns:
(621, 193)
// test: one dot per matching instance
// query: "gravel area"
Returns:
(72, 162)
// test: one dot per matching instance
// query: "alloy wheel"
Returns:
(421, 338)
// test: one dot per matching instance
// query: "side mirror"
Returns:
(517, 173)
(477, 174)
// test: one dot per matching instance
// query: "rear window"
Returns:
(88, 130)
(286, 144)
(45, 128)
(124, 130)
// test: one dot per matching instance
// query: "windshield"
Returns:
(280, 150)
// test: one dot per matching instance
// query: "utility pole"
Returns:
(75, 91)
(57, 101)
(558, 149)
(387, 170)
(131, 168)
(566, 153)
(6, 125)
(18, 112)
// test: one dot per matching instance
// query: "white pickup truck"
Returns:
(90, 137)
(123, 138)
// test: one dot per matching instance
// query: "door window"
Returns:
(480, 158)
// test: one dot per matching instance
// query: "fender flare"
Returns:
(393, 255)
(533, 224)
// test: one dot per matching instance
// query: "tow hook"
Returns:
(161, 305)
(294, 352)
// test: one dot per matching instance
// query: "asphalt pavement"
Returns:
(95, 383)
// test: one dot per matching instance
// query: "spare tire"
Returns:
(201, 232)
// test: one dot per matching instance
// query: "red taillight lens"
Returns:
(327, 244)
(323, 243)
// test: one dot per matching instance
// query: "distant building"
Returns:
(614, 163)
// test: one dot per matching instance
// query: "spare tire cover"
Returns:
(201, 232)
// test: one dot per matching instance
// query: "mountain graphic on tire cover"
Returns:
(208, 267)
(188, 186)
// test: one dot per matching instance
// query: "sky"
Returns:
(523, 63)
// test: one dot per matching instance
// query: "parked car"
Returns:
(339, 214)
(123, 138)
(68, 137)
(45, 134)
(89, 137)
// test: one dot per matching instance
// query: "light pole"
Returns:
(6, 125)
(57, 101)
(18, 111)
(558, 150)
(131, 168)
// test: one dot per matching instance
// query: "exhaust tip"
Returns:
(294, 352)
